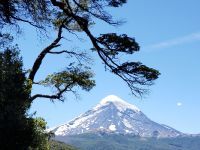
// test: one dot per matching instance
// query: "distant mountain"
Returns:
(114, 115)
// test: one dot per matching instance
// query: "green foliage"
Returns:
(17, 129)
(35, 11)
(139, 70)
(71, 78)
(114, 44)
(56, 145)
(41, 138)
(14, 103)
(5, 40)
(116, 3)
(65, 81)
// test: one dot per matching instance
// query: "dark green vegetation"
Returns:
(13, 102)
(130, 142)
(56, 145)
(18, 130)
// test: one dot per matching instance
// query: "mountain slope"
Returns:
(113, 115)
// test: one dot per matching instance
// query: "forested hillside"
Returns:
(130, 142)
(56, 145)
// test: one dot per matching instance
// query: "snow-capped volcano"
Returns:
(114, 115)
(120, 104)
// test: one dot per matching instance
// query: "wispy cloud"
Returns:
(173, 42)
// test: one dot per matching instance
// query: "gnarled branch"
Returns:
(112, 45)
(27, 21)
(44, 52)
(58, 95)
(65, 81)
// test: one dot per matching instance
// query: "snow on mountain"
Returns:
(114, 115)
(119, 103)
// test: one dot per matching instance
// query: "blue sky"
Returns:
(169, 35)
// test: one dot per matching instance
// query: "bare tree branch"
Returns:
(58, 95)
(45, 51)
(27, 21)
(63, 51)
(79, 56)
(44, 96)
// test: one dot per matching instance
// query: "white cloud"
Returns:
(176, 41)
(179, 104)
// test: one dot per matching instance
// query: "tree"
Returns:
(13, 102)
(75, 16)
(18, 130)
(41, 138)
(33, 12)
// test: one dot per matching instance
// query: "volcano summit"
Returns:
(114, 115)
